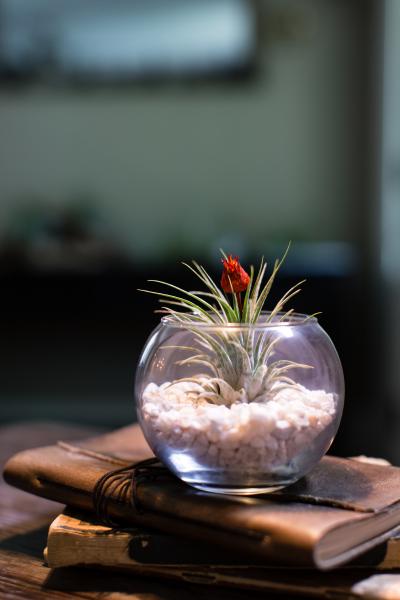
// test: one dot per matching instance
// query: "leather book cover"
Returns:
(338, 511)
(75, 539)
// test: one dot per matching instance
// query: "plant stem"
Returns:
(239, 300)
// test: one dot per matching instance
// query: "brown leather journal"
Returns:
(74, 540)
(338, 511)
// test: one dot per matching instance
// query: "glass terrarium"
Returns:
(239, 406)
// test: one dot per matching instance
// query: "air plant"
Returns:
(227, 324)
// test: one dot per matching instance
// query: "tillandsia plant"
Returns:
(237, 352)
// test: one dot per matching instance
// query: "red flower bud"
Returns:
(234, 277)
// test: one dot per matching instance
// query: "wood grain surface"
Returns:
(24, 521)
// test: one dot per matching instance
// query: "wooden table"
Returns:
(24, 521)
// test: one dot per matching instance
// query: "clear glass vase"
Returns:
(237, 408)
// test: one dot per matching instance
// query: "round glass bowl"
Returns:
(237, 408)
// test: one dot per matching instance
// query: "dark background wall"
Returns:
(106, 184)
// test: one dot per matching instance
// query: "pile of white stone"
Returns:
(257, 435)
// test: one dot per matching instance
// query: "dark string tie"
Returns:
(121, 485)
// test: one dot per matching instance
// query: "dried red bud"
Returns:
(234, 277)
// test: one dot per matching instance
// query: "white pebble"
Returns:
(261, 434)
(257, 442)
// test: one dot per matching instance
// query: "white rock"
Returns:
(257, 442)
(213, 450)
(259, 435)
(283, 429)
(271, 443)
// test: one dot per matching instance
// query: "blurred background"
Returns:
(138, 134)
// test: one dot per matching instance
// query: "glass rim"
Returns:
(295, 319)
